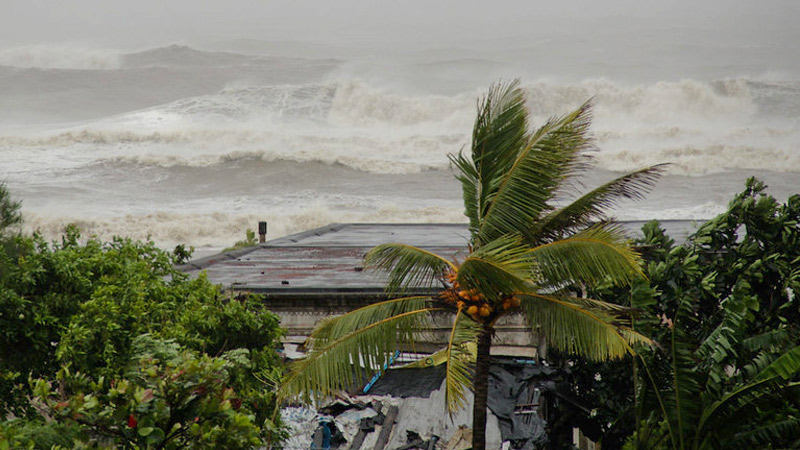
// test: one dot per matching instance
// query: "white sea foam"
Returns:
(697, 126)
(202, 169)
(218, 229)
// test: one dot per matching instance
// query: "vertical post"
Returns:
(262, 232)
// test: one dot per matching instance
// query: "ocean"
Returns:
(195, 143)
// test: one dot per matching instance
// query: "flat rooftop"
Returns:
(329, 259)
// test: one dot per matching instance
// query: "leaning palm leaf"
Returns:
(459, 358)
(332, 328)
(471, 189)
(523, 192)
(500, 128)
(569, 325)
(501, 266)
(406, 266)
(340, 363)
(500, 131)
(592, 205)
(596, 254)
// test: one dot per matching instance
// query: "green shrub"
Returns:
(83, 304)
(167, 398)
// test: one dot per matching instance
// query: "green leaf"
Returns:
(784, 367)
(346, 349)
(592, 206)
(156, 436)
(500, 267)
(579, 326)
(407, 266)
(499, 133)
(520, 194)
(458, 357)
(597, 254)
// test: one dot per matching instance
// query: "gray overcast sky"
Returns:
(146, 22)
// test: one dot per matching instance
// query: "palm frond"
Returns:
(470, 189)
(346, 349)
(523, 191)
(332, 328)
(459, 359)
(406, 266)
(571, 325)
(502, 266)
(499, 132)
(591, 206)
(599, 253)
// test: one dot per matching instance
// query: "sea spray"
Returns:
(191, 146)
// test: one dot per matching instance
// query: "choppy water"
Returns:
(194, 146)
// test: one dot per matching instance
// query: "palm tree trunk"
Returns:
(481, 385)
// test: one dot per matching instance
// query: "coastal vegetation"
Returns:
(106, 345)
(723, 311)
(525, 255)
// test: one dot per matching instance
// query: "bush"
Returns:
(167, 398)
(83, 306)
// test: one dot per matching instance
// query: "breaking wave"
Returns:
(216, 230)
(699, 127)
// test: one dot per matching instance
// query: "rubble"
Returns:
(406, 409)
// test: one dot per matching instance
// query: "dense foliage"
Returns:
(80, 306)
(724, 312)
(167, 398)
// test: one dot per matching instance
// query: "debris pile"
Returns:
(405, 409)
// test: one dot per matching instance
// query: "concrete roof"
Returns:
(329, 259)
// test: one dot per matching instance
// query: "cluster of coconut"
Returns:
(473, 302)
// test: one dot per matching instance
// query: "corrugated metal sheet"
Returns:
(329, 259)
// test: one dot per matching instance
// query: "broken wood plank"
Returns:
(386, 429)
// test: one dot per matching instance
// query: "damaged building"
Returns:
(311, 275)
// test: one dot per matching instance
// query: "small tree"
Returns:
(9, 211)
(525, 256)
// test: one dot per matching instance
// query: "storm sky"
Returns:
(410, 22)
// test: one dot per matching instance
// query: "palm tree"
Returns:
(525, 256)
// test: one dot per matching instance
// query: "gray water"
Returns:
(192, 131)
